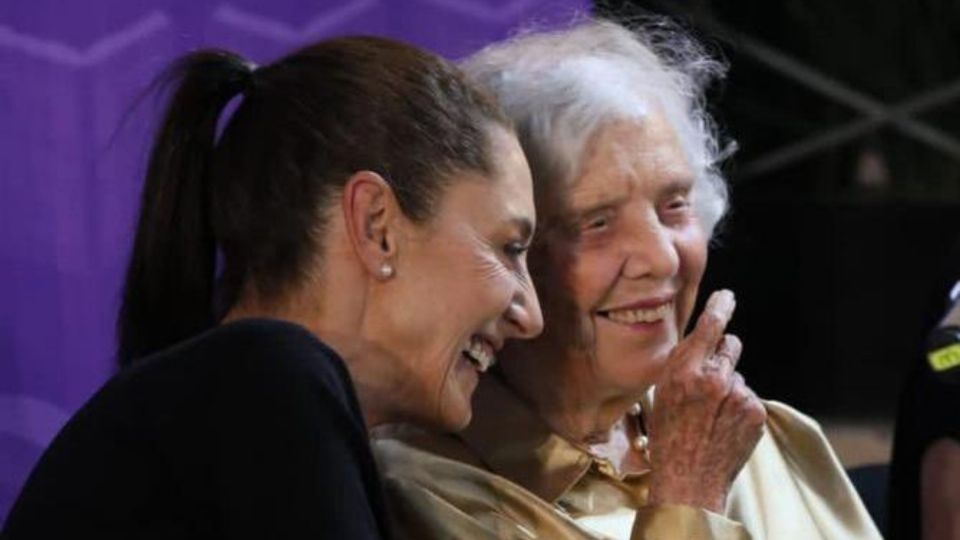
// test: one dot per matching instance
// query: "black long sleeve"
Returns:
(251, 430)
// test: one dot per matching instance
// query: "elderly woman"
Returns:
(569, 438)
(356, 177)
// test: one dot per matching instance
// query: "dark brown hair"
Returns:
(304, 125)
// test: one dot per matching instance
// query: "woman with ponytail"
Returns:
(348, 252)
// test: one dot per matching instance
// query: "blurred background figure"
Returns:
(924, 497)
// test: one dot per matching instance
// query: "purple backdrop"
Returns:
(71, 162)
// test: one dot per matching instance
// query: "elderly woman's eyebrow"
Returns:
(680, 185)
(597, 204)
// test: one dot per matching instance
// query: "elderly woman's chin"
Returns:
(630, 370)
(632, 356)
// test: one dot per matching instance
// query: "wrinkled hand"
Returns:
(706, 421)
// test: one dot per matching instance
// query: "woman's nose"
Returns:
(651, 252)
(523, 317)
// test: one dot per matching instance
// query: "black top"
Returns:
(928, 412)
(251, 430)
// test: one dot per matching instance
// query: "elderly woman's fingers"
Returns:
(714, 375)
(728, 353)
(707, 421)
(711, 324)
(707, 380)
(700, 440)
(742, 414)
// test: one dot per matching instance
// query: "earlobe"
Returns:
(369, 209)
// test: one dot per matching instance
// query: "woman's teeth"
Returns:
(480, 353)
(633, 316)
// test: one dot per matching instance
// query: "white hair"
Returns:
(559, 86)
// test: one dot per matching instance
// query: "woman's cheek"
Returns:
(596, 272)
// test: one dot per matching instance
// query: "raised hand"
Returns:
(705, 421)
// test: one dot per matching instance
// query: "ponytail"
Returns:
(169, 286)
(258, 194)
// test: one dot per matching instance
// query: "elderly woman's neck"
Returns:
(588, 422)
(569, 404)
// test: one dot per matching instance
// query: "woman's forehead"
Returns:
(625, 152)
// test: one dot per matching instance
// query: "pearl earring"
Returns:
(386, 270)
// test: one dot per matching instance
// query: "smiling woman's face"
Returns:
(462, 289)
(620, 273)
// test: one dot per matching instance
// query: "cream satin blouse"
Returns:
(509, 477)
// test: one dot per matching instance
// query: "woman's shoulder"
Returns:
(250, 351)
(795, 442)
(790, 421)
(248, 342)
(249, 369)
(794, 485)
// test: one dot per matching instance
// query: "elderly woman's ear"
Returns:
(371, 215)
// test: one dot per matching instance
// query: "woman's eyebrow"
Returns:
(680, 184)
(597, 204)
(523, 225)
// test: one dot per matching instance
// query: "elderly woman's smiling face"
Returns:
(621, 280)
